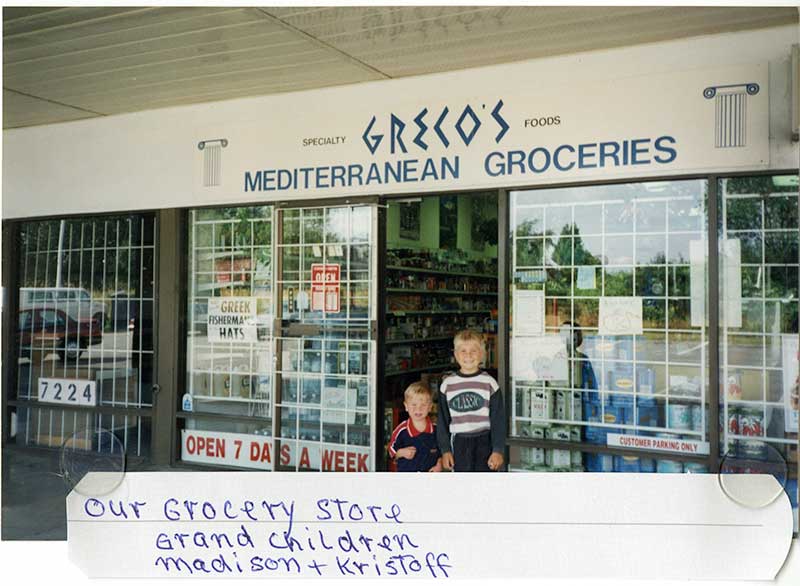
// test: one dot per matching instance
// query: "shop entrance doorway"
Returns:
(440, 276)
(325, 330)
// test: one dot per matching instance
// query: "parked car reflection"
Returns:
(54, 330)
(75, 301)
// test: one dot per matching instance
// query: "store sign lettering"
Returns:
(466, 126)
(232, 320)
(642, 151)
(681, 446)
(252, 451)
(606, 155)
(325, 287)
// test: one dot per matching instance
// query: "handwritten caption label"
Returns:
(251, 537)
(382, 525)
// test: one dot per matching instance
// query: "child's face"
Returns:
(418, 406)
(469, 356)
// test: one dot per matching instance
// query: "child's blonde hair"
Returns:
(417, 388)
(465, 336)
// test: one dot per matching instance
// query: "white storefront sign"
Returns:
(514, 134)
(689, 106)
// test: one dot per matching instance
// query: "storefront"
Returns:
(259, 289)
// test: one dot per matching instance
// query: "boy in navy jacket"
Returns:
(413, 444)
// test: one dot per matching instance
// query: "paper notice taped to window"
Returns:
(528, 313)
(529, 526)
(620, 316)
(539, 358)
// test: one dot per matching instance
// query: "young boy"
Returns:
(413, 444)
(471, 412)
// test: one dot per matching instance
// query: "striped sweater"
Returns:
(471, 404)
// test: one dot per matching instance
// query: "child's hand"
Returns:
(496, 461)
(447, 460)
(407, 453)
(437, 467)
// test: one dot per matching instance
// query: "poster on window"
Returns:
(232, 319)
(791, 380)
(620, 316)
(325, 287)
(539, 358)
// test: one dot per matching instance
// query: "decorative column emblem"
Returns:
(730, 128)
(212, 160)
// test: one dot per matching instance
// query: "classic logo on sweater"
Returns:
(464, 402)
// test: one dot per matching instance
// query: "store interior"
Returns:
(441, 276)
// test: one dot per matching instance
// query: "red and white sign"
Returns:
(256, 451)
(659, 444)
(325, 286)
(227, 449)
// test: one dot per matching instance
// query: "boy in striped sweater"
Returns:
(472, 419)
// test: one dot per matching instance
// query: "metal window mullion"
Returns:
(114, 351)
(375, 418)
(713, 295)
(603, 386)
(140, 296)
(91, 296)
(31, 344)
(763, 269)
(41, 349)
(506, 224)
(193, 295)
(128, 336)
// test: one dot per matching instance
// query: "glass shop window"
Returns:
(85, 332)
(229, 316)
(608, 319)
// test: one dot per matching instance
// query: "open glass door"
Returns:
(325, 338)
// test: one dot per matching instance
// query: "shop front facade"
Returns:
(256, 291)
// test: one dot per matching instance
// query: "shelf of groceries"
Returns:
(431, 295)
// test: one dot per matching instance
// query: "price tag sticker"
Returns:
(68, 391)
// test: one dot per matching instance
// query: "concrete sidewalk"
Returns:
(34, 494)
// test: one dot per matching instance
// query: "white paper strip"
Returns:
(697, 282)
(427, 525)
(790, 379)
(732, 283)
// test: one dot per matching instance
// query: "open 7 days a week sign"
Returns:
(317, 525)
